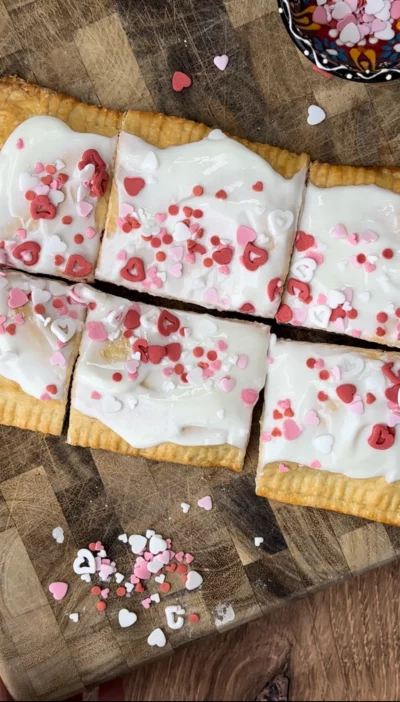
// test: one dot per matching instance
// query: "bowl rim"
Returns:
(323, 62)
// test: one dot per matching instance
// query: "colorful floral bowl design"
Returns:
(369, 63)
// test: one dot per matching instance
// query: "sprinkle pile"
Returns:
(356, 22)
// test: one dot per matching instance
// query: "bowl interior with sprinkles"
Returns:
(358, 40)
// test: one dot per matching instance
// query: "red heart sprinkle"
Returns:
(133, 270)
(42, 208)
(346, 392)
(174, 351)
(32, 248)
(288, 412)
(77, 266)
(139, 587)
(284, 314)
(258, 187)
(382, 437)
(132, 319)
(99, 183)
(133, 186)
(171, 568)
(141, 346)
(392, 393)
(224, 256)
(276, 414)
(59, 260)
(11, 329)
(180, 81)
(247, 308)
(92, 156)
(304, 241)
(370, 398)
(167, 323)
(336, 313)
(387, 370)
(276, 432)
(46, 180)
(294, 286)
(273, 288)
(156, 353)
(221, 195)
(254, 256)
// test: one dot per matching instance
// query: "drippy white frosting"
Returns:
(347, 222)
(37, 354)
(332, 432)
(150, 403)
(219, 165)
(47, 141)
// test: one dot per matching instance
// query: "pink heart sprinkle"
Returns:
(299, 315)
(336, 373)
(283, 404)
(20, 233)
(224, 270)
(94, 395)
(249, 397)
(291, 430)
(90, 232)
(316, 256)
(315, 464)
(369, 267)
(58, 590)
(216, 365)
(353, 239)
(395, 10)
(45, 397)
(349, 19)
(282, 468)
(168, 371)
(17, 298)
(190, 258)
(189, 558)
(146, 603)
(179, 556)
(356, 407)
(176, 253)
(152, 272)
(393, 420)
(121, 255)
(378, 25)
(132, 365)
(157, 282)
(242, 360)
(164, 557)
(54, 185)
(266, 437)
(57, 359)
(125, 209)
(39, 167)
(141, 571)
(148, 556)
(175, 270)
(99, 547)
(244, 235)
(194, 228)
(104, 593)
(84, 208)
(19, 144)
(339, 324)
(160, 217)
(147, 284)
(205, 503)
(311, 418)
(321, 299)
(227, 383)
(348, 293)
(207, 373)
(356, 332)
(339, 232)
(211, 295)
(222, 346)
(96, 331)
(369, 236)
(19, 319)
(319, 363)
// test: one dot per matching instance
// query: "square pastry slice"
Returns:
(40, 328)
(167, 385)
(209, 222)
(54, 186)
(346, 262)
(329, 430)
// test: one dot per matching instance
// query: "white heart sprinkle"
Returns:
(150, 533)
(74, 617)
(350, 34)
(154, 566)
(160, 578)
(59, 164)
(58, 535)
(157, 545)
(84, 557)
(323, 443)
(316, 115)
(137, 543)
(319, 316)
(40, 296)
(340, 10)
(173, 616)
(155, 598)
(258, 540)
(111, 404)
(82, 192)
(350, 365)
(279, 221)
(87, 173)
(119, 577)
(303, 269)
(185, 507)
(86, 577)
(63, 328)
(54, 245)
(129, 586)
(56, 197)
(181, 232)
(206, 327)
(123, 538)
(335, 298)
(133, 402)
(157, 638)
(194, 580)
(27, 182)
(364, 295)
(126, 618)
(150, 162)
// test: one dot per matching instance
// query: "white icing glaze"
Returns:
(169, 176)
(34, 356)
(152, 404)
(48, 141)
(331, 431)
(346, 222)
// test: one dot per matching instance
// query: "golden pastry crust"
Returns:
(372, 498)
(86, 431)
(17, 409)
(325, 175)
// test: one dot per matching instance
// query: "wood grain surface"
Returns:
(122, 53)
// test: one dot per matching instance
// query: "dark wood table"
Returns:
(343, 643)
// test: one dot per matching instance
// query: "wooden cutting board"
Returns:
(122, 54)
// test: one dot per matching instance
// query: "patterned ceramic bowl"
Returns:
(372, 62)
